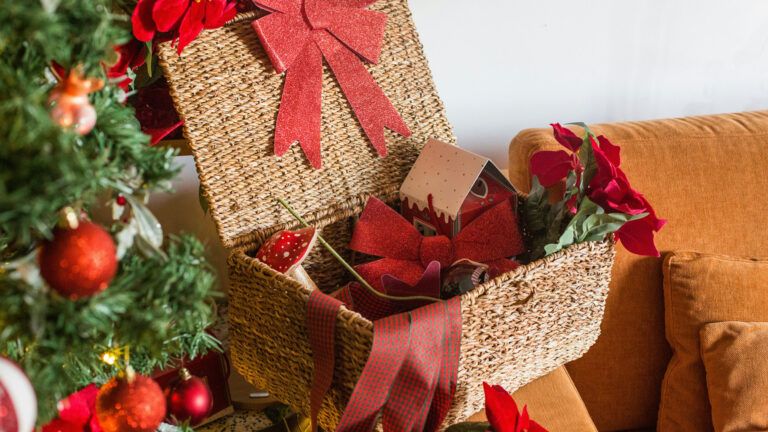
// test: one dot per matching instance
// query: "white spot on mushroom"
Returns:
(285, 254)
(304, 244)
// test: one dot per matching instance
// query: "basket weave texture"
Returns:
(228, 95)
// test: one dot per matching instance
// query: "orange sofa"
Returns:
(708, 176)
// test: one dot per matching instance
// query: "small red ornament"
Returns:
(70, 105)
(79, 262)
(130, 403)
(121, 200)
(190, 399)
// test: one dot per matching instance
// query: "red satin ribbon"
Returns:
(297, 35)
(383, 232)
(410, 376)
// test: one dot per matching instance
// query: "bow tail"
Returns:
(371, 106)
(300, 106)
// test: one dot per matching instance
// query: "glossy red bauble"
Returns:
(190, 399)
(130, 405)
(79, 262)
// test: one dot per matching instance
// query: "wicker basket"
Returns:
(228, 95)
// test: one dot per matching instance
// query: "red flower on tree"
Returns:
(131, 55)
(503, 413)
(179, 20)
(77, 413)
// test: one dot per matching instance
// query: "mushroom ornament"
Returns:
(286, 250)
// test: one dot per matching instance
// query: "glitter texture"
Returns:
(297, 35)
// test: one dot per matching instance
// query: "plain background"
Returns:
(504, 65)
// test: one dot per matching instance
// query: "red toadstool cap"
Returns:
(287, 249)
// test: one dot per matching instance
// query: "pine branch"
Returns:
(159, 308)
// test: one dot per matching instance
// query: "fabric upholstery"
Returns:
(700, 289)
(734, 355)
(707, 176)
(553, 402)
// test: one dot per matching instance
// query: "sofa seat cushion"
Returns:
(553, 402)
(701, 289)
(735, 357)
(707, 177)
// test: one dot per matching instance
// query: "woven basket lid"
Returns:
(227, 92)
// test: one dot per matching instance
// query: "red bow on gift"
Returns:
(296, 35)
(383, 232)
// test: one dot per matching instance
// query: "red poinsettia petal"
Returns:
(141, 20)
(524, 422)
(78, 407)
(535, 427)
(500, 409)
(551, 166)
(191, 24)
(612, 152)
(59, 425)
(637, 236)
(218, 12)
(566, 137)
(167, 14)
(213, 9)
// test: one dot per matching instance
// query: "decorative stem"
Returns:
(346, 265)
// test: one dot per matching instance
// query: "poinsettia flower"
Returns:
(550, 167)
(131, 55)
(77, 412)
(180, 20)
(566, 137)
(503, 413)
(610, 189)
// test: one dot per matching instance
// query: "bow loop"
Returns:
(436, 248)
(489, 239)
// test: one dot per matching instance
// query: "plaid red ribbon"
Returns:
(410, 376)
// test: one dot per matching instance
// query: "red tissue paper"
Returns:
(381, 231)
(297, 35)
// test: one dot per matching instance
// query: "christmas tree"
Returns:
(89, 284)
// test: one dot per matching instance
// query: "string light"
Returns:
(109, 358)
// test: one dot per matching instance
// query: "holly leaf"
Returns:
(469, 427)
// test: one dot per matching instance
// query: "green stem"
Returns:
(346, 265)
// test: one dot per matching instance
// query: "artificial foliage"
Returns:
(580, 194)
(161, 300)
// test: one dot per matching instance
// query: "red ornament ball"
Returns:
(130, 404)
(190, 399)
(79, 262)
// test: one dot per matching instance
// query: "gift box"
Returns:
(514, 328)
(213, 368)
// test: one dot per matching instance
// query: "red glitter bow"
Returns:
(297, 35)
(381, 231)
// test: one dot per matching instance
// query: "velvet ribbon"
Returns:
(381, 231)
(410, 376)
(297, 35)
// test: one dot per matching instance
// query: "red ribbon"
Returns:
(410, 376)
(297, 35)
(381, 231)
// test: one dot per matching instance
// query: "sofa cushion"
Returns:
(734, 355)
(707, 177)
(700, 289)
(553, 402)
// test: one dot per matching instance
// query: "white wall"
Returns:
(504, 65)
